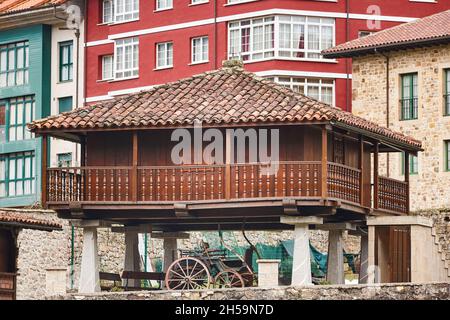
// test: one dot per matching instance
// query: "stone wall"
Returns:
(407, 291)
(441, 222)
(430, 188)
(39, 250)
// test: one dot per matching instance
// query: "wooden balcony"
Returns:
(202, 183)
(7, 286)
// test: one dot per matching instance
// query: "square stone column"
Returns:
(132, 259)
(268, 272)
(170, 245)
(89, 275)
(335, 261)
(364, 259)
(301, 264)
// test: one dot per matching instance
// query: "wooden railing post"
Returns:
(407, 180)
(134, 173)
(228, 153)
(44, 165)
(324, 161)
(375, 175)
(361, 168)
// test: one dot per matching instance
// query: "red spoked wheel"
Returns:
(187, 273)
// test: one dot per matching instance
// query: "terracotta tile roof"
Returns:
(429, 29)
(25, 219)
(226, 96)
(8, 6)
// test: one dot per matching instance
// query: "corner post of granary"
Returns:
(301, 264)
(324, 162)
(170, 245)
(361, 170)
(375, 174)
(132, 259)
(406, 170)
(90, 264)
(44, 165)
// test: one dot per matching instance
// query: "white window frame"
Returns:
(237, 25)
(195, 2)
(106, 13)
(307, 85)
(120, 70)
(111, 75)
(201, 48)
(168, 60)
(162, 5)
(127, 15)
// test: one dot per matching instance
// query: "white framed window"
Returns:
(108, 11)
(125, 10)
(107, 67)
(198, 1)
(199, 49)
(164, 4)
(126, 53)
(316, 88)
(252, 39)
(164, 55)
(282, 36)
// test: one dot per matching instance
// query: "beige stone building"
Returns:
(401, 79)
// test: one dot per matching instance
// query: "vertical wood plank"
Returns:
(228, 164)
(44, 165)
(407, 180)
(134, 176)
(375, 175)
(361, 168)
(324, 162)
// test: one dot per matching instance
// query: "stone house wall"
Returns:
(430, 188)
(40, 250)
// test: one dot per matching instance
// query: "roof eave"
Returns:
(383, 48)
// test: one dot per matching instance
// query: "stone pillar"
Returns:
(132, 260)
(170, 246)
(89, 275)
(301, 264)
(335, 262)
(268, 272)
(364, 258)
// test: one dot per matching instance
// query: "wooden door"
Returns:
(400, 253)
(7, 265)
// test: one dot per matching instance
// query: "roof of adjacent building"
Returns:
(429, 30)
(9, 6)
(25, 218)
(228, 96)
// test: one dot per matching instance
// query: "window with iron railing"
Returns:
(409, 102)
(447, 93)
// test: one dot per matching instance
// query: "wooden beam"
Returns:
(44, 165)
(361, 168)
(228, 153)
(324, 162)
(407, 180)
(134, 174)
(375, 175)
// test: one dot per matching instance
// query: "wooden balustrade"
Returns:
(7, 286)
(344, 182)
(393, 195)
(211, 182)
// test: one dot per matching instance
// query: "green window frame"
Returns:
(409, 102)
(14, 64)
(447, 93)
(65, 104)
(64, 159)
(447, 155)
(19, 112)
(66, 61)
(17, 174)
(413, 164)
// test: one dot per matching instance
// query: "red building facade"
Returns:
(132, 45)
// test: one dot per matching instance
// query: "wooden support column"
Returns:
(228, 153)
(134, 174)
(83, 152)
(361, 168)
(324, 162)
(375, 175)
(44, 165)
(407, 180)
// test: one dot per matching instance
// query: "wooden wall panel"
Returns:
(109, 149)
